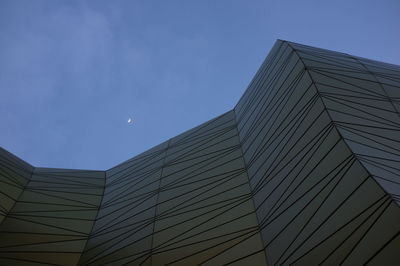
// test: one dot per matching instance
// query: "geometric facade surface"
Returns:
(305, 170)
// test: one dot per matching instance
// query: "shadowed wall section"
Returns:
(321, 139)
(14, 176)
(184, 202)
(304, 170)
(52, 218)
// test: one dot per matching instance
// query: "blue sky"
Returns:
(72, 72)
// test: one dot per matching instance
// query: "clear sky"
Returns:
(73, 72)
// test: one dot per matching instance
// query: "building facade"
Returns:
(305, 170)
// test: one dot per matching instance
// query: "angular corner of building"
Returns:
(303, 171)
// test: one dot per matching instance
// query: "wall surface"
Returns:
(304, 170)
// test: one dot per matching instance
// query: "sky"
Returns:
(73, 72)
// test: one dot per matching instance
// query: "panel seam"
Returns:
(335, 126)
(251, 191)
(95, 219)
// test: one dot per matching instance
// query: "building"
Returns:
(304, 170)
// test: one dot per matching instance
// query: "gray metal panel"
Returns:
(315, 191)
(53, 216)
(304, 171)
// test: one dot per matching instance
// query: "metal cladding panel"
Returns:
(186, 201)
(52, 218)
(125, 221)
(204, 206)
(321, 148)
(303, 171)
(14, 175)
(362, 97)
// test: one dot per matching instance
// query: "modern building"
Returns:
(305, 170)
